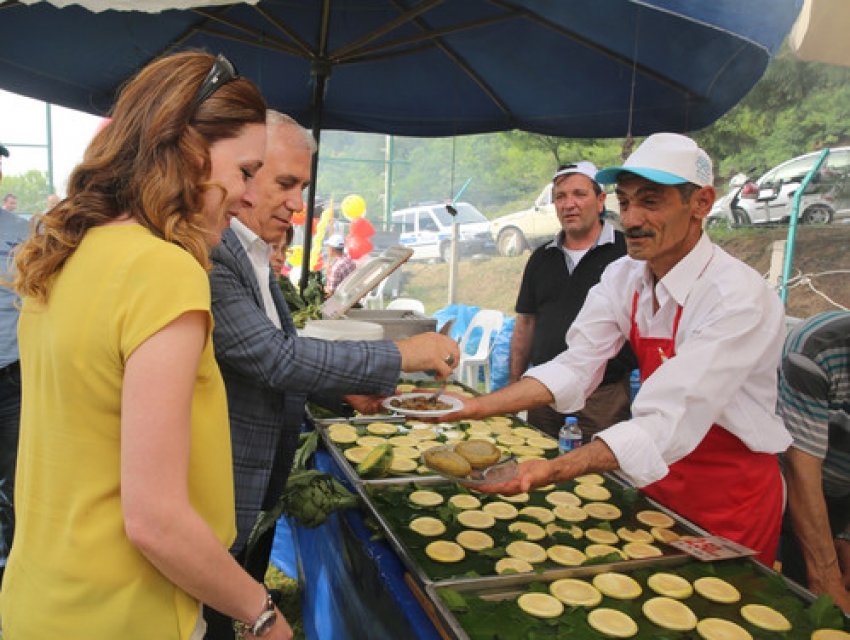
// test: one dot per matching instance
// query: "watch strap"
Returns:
(843, 535)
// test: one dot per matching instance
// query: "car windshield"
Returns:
(466, 213)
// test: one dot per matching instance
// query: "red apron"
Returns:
(722, 486)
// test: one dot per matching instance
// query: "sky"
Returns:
(23, 121)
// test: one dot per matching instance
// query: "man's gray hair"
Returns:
(277, 119)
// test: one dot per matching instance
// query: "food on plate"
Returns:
(566, 556)
(765, 617)
(476, 519)
(428, 526)
(602, 536)
(635, 535)
(540, 605)
(480, 453)
(716, 590)
(532, 531)
(464, 501)
(371, 441)
(669, 613)
(670, 585)
(592, 492)
(424, 445)
(445, 551)
(720, 629)
(617, 585)
(425, 498)
(575, 593)
(528, 551)
(640, 550)
(424, 402)
(653, 518)
(501, 510)
(510, 440)
(612, 623)
(377, 462)
(542, 443)
(513, 565)
(403, 441)
(405, 388)
(602, 511)
(474, 540)
(447, 462)
(541, 514)
(527, 451)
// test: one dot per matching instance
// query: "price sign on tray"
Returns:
(710, 548)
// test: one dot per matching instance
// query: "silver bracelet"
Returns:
(842, 535)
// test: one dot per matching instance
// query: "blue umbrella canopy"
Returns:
(574, 68)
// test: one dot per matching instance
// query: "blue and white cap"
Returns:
(583, 167)
(665, 158)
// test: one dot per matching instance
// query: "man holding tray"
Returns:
(707, 332)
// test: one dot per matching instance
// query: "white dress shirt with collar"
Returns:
(259, 252)
(724, 371)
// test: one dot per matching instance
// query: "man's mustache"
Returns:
(639, 233)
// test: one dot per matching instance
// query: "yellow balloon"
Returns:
(296, 256)
(353, 206)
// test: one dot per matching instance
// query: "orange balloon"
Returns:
(299, 217)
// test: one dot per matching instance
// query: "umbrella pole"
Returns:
(321, 70)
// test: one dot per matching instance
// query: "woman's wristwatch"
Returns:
(261, 625)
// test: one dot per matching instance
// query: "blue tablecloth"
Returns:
(354, 587)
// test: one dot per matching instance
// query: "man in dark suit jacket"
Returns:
(270, 372)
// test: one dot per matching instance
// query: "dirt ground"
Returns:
(820, 276)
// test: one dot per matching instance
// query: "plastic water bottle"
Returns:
(569, 437)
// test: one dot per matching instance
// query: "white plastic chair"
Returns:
(486, 323)
(408, 304)
(375, 298)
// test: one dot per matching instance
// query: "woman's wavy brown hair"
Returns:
(151, 162)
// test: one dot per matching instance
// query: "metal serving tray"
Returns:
(491, 589)
(396, 538)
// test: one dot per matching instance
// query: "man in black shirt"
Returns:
(555, 283)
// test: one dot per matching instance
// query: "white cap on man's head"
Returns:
(583, 167)
(335, 241)
(665, 158)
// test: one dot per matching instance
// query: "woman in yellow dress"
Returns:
(124, 488)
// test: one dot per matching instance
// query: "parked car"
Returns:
(427, 229)
(513, 233)
(770, 198)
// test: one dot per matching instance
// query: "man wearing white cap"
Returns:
(707, 332)
(339, 264)
(554, 286)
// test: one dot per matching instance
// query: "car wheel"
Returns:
(511, 242)
(817, 214)
(740, 217)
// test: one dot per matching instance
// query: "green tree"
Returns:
(31, 189)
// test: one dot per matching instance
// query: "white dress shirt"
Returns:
(728, 347)
(259, 253)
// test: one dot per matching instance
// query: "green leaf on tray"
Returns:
(824, 614)
(454, 601)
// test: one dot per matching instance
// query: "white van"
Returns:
(427, 229)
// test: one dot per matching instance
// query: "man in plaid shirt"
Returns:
(340, 265)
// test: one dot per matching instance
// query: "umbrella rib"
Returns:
(298, 40)
(407, 15)
(369, 52)
(613, 55)
(257, 37)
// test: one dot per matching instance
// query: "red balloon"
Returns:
(357, 247)
(361, 228)
(299, 217)
(320, 263)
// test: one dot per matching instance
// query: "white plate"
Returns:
(428, 413)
